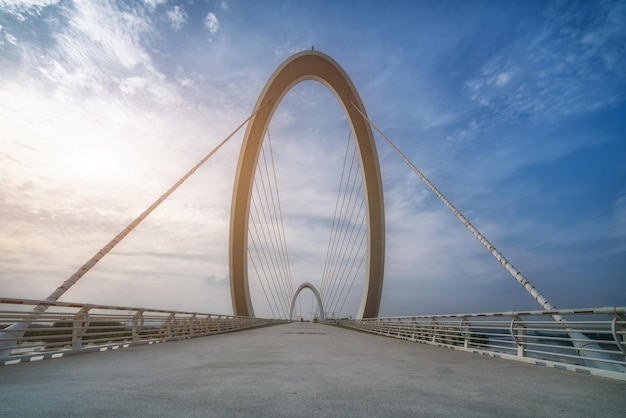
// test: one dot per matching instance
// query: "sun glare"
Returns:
(95, 163)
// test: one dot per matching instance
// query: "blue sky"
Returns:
(516, 111)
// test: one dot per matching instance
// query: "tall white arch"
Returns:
(307, 65)
(317, 296)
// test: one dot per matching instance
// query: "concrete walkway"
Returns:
(300, 369)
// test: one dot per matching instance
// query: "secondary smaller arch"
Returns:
(317, 296)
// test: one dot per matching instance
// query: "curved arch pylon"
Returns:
(303, 286)
(307, 65)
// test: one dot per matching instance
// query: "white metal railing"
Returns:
(71, 328)
(590, 341)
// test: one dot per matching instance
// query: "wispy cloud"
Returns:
(567, 68)
(177, 17)
(20, 8)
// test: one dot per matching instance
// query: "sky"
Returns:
(515, 110)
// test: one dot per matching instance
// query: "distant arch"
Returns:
(307, 65)
(317, 296)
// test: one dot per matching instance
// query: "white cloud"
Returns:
(12, 40)
(503, 78)
(177, 17)
(211, 22)
(290, 47)
(97, 52)
(13, 6)
(182, 79)
(154, 3)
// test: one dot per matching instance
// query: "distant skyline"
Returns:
(515, 110)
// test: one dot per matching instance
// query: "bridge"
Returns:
(278, 367)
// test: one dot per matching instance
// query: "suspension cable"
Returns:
(350, 249)
(276, 227)
(352, 254)
(330, 238)
(339, 237)
(269, 266)
(262, 287)
(344, 244)
(262, 256)
(267, 223)
(517, 275)
(270, 224)
(354, 276)
(280, 213)
(338, 232)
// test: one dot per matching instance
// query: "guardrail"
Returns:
(72, 328)
(591, 341)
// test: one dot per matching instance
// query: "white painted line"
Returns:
(36, 358)
(57, 355)
(115, 347)
(10, 362)
(126, 346)
(104, 348)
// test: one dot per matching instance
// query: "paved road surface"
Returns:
(300, 370)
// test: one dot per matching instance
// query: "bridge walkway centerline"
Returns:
(300, 369)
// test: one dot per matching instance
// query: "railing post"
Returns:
(80, 324)
(434, 328)
(137, 325)
(618, 334)
(466, 332)
(518, 333)
(169, 325)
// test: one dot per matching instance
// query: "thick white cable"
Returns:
(517, 275)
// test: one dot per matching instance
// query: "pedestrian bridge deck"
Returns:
(300, 369)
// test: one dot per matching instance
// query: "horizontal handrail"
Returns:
(589, 340)
(71, 328)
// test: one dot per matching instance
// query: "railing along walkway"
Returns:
(72, 328)
(590, 341)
